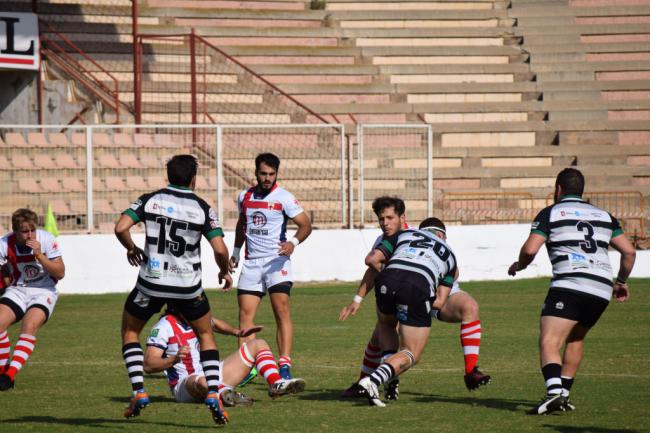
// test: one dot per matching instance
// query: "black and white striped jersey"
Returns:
(421, 252)
(577, 237)
(174, 220)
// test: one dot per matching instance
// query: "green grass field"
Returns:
(76, 381)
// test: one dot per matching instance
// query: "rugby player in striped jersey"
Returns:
(577, 236)
(174, 220)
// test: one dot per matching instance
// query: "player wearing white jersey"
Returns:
(173, 347)
(577, 236)
(34, 261)
(264, 211)
(416, 271)
(175, 219)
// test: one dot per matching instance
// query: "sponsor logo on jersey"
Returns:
(284, 272)
(154, 263)
(175, 269)
(559, 305)
(31, 272)
(154, 332)
(383, 290)
(258, 219)
(535, 225)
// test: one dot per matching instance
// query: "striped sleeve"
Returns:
(541, 224)
(388, 244)
(617, 230)
(136, 210)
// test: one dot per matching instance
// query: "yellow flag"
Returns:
(50, 222)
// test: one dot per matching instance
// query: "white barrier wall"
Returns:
(97, 263)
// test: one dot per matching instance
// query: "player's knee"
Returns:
(257, 345)
(470, 311)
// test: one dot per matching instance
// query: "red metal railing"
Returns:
(58, 52)
(198, 71)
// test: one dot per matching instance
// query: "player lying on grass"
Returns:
(172, 347)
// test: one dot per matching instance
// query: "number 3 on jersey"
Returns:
(589, 245)
(176, 244)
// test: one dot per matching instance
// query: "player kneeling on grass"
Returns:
(173, 347)
(35, 263)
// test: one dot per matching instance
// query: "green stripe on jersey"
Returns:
(539, 232)
(388, 246)
(214, 233)
(448, 280)
(132, 215)
(617, 232)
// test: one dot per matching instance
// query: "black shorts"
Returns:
(144, 306)
(569, 304)
(406, 295)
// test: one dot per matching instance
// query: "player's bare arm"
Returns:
(240, 236)
(375, 260)
(366, 285)
(54, 267)
(155, 361)
(442, 293)
(304, 230)
(527, 254)
(628, 255)
(222, 327)
(221, 257)
(134, 254)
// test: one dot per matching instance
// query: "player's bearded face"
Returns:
(390, 222)
(266, 176)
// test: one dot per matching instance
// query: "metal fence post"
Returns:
(89, 179)
(220, 213)
(429, 171)
(360, 174)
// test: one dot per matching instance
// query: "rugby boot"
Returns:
(286, 386)
(548, 404)
(213, 402)
(371, 392)
(475, 378)
(139, 401)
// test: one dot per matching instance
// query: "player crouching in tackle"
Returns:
(35, 263)
(172, 347)
(418, 266)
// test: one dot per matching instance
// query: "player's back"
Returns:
(175, 219)
(421, 252)
(578, 236)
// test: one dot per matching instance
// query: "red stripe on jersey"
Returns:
(263, 205)
(11, 257)
(182, 341)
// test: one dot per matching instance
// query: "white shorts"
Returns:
(22, 298)
(257, 275)
(455, 289)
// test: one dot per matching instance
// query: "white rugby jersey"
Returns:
(174, 220)
(169, 334)
(421, 252)
(577, 237)
(25, 269)
(266, 217)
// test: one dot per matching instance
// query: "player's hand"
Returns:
(349, 310)
(232, 264)
(621, 292)
(135, 256)
(286, 249)
(182, 352)
(513, 269)
(226, 279)
(249, 331)
(35, 246)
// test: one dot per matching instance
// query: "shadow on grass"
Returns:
(328, 395)
(578, 429)
(98, 422)
(492, 403)
(154, 399)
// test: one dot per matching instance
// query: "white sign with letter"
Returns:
(19, 43)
